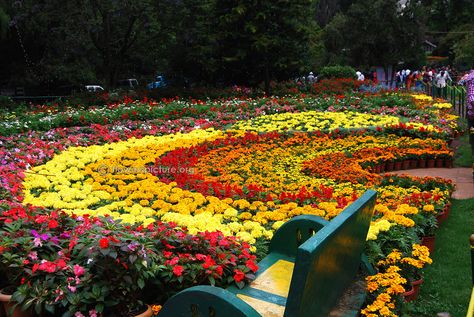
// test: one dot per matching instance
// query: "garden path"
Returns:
(461, 176)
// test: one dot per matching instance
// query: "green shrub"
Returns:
(7, 103)
(337, 72)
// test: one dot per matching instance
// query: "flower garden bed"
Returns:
(230, 172)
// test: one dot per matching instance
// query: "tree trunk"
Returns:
(267, 78)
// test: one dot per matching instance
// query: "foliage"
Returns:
(64, 264)
(337, 72)
(376, 33)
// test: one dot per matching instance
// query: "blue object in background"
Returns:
(160, 82)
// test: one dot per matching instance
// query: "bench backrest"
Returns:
(327, 263)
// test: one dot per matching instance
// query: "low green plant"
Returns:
(337, 71)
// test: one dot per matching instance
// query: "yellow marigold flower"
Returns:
(428, 208)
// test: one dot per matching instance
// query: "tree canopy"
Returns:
(220, 42)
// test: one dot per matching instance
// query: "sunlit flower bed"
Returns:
(244, 178)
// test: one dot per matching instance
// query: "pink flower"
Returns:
(72, 288)
(92, 313)
(78, 270)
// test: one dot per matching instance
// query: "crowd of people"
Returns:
(438, 77)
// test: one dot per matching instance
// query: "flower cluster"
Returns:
(87, 264)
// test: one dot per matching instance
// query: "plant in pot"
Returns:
(384, 292)
(63, 265)
(204, 258)
(117, 261)
(28, 234)
(410, 266)
(425, 224)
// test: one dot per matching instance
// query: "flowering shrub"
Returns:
(87, 265)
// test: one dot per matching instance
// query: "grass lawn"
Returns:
(448, 284)
(463, 157)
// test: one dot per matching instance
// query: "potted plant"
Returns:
(28, 234)
(410, 266)
(425, 226)
(206, 258)
(89, 266)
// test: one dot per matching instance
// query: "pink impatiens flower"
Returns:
(78, 270)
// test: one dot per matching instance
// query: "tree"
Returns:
(76, 41)
(4, 20)
(464, 50)
(262, 40)
(377, 33)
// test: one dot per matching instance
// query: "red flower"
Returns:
(174, 261)
(104, 243)
(252, 266)
(61, 264)
(178, 270)
(47, 266)
(239, 276)
(52, 224)
(208, 262)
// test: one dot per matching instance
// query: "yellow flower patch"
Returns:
(314, 121)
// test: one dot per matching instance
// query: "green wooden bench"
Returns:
(311, 263)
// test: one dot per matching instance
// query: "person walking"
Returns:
(441, 80)
(469, 81)
(311, 79)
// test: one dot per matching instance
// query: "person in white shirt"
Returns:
(311, 79)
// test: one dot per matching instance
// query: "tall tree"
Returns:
(75, 40)
(377, 33)
(261, 40)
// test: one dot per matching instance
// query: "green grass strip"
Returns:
(463, 156)
(447, 283)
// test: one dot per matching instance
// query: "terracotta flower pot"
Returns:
(397, 166)
(421, 163)
(430, 163)
(416, 286)
(440, 217)
(405, 164)
(413, 164)
(447, 209)
(448, 163)
(439, 163)
(428, 242)
(410, 294)
(10, 309)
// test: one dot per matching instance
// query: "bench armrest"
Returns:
(295, 232)
(204, 301)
